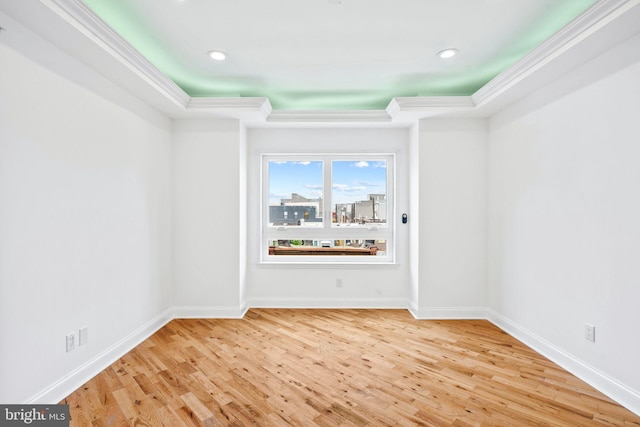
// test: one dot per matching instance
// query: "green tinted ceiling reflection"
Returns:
(121, 16)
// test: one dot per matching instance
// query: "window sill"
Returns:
(327, 261)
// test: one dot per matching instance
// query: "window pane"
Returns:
(295, 193)
(359, 193)
(362, 247)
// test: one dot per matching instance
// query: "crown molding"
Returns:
(332, 116)
(83, 19)
(420, 103)
(255, 108)
(423, 106)
(586, 24)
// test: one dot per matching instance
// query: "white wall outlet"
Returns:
(83, 336)
(71, 342)
(590, 332)
(338, 283)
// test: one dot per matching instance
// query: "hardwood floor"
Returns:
(337, 367)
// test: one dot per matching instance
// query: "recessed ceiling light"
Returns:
(448, 53)
(217, 55)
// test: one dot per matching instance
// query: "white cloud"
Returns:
(347, 188)
(284, 162)
(362, 164)
(370, 184)
(313, 186)
(354, 189)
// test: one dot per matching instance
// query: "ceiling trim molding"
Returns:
(586, 24)
(428, 105)
(83, 19)
(333, 116)
(233, 106)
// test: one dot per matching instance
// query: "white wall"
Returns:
(413, 218)
(84, 223)
(315, 286)
(564, 217)
(208, 199)
(243, 203)
(452, 191)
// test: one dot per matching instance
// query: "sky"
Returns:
(352, 180)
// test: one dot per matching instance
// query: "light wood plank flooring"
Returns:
(337, 367)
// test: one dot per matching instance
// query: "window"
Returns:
(327, 208)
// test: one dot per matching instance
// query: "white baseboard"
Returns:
(448, 313)
(69, 383)
(328, 303)
(622, 394)
(215, 312)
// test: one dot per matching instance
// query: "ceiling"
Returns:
(334, 54)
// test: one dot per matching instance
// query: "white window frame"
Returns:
(328, 231)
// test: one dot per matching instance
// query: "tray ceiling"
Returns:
(334, 54)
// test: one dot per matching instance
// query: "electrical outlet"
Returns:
(338, 283)
(71, 342)
(590, 332)
(83, 336)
